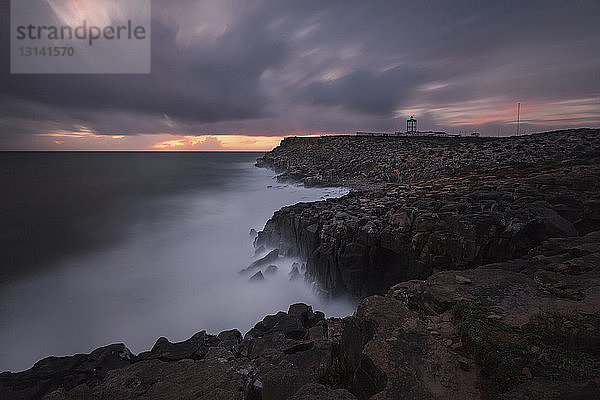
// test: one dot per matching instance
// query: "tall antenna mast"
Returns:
(518, 117)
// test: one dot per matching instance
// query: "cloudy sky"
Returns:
(240, 74)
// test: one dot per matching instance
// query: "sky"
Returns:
(240, 75)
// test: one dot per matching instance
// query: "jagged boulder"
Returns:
(273, 361)
(257, 277)
(65, 373)
(194, 348)
(271, 257)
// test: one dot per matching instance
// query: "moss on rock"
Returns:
(553, 346)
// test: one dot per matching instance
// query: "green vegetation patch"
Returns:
(555, 346)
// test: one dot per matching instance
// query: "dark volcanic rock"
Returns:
(367, 161)
(441, 338)
(271, 257)
(496, 326)
(316, 391)
(257, 277)
(63, 372)
(423, 205)
(229, 338)
(194, 348)
(365, 242)
(277, 357)
(212, 378)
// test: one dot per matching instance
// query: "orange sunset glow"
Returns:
(85, 139)
(219, 143)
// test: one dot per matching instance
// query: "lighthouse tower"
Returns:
(411, 125)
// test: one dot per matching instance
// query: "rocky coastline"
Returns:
(476, 262)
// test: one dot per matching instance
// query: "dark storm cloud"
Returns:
(270, 66)
(186, 83)
(535, 50)
(364, 91)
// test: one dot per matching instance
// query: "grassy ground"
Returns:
(555, 346)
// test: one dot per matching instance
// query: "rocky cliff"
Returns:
(512, 194)
(371, 161)
(477, 262)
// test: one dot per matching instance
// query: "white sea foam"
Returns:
(169, 277)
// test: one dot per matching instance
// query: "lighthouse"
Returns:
(411, 125)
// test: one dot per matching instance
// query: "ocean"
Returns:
(125, 247)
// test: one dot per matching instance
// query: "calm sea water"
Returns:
(99, 248)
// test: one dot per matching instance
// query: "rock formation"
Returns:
(371, 161)
(521, 329)
(477, 262)
(365, 242)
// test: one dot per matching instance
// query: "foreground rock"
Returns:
(66, 373)
(277, 359)
(522, 329)
(271, 257)
(257, 277)
(528, 328)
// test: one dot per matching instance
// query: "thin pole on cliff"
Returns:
(518, 117)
